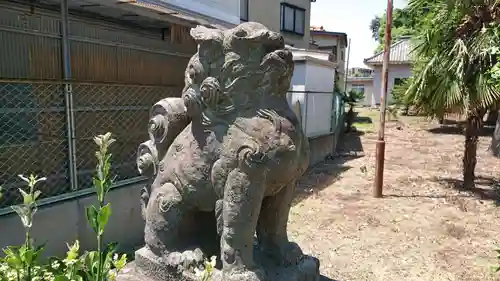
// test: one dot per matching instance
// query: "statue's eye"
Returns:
(191, 73)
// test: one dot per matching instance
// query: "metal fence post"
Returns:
(334, 112)
(68, 94)
(306, 102)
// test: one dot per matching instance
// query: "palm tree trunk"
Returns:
(406, 110)
(472, 130)
(350, 119)
(495, 139)
(440, 119)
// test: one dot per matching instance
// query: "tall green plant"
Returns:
(22, 260)
(99, 263)
(22, 263)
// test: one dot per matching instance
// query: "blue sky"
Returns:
(352, 17)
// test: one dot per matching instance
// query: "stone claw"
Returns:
(255, 274)
(186, 260)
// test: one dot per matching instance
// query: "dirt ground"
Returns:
(425, 227)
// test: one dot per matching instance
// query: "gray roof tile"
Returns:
(400, 53)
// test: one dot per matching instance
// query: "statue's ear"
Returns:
(202, 34)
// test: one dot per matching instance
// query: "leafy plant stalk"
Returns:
(26, 212)
(98, 217)
(206, 273)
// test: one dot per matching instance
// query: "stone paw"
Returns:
(285, 254)
(291, 253)
(256, 274)
(188, 259)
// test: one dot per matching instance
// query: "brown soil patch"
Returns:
(425, 227)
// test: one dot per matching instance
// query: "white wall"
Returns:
(224, 10)
(319, 77)
(298, 87)
(395, 71)
(299, 75)
(329, 40)
(369, 90)
(315, 78)
(319, 114)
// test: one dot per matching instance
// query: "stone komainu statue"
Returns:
(223, 161)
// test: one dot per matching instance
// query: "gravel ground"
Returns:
(425, 227)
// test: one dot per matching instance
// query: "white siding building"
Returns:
(289, 17)
(363, 85)
(312, 85)
(400, 64)
(321, 111)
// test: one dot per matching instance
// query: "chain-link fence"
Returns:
(321, 112)
(34, 131)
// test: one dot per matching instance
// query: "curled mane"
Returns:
(233, 70)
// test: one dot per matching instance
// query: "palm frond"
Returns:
(451, 73)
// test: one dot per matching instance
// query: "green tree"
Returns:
(351, 98)
(494, 51)
(404, 23)
(398, 95)
(374, 27)
(453, 67)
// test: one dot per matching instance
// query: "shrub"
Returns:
(351, 98)
(22, 263)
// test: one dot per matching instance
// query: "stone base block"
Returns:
(148, 267)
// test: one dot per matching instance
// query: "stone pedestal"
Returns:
(150, 268)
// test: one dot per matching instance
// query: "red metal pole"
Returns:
(380, 149)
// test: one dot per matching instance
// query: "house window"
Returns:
(244, 10)
(399, 81)
(293, 19)
(342, 55)
(360, 88)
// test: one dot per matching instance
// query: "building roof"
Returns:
(352, 79)
(190, 17)
(400, 53)
(151, 13)
(319, 30)
(317, 56)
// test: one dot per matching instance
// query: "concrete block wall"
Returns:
(321, 147)
(64, 222)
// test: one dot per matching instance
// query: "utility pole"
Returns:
(380, 149)
(346, 74)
